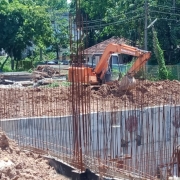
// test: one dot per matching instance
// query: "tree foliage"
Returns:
(163, 73)
(125, 18)
(58, 14)
(23, 25)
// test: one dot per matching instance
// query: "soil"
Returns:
(44, 71)
(16, 164)
(65, 100)
(146, 93)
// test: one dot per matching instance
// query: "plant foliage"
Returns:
(125, 18)
(163, 73)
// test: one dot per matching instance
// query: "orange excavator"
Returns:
(96, 76)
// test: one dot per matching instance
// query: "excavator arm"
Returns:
(102, 66)
(140, 62)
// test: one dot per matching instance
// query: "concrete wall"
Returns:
(150, 134)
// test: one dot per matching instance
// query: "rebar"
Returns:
(114, 133)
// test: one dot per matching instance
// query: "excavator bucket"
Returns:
(127, 82)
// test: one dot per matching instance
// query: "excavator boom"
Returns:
(142, 55)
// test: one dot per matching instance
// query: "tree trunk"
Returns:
(17, 62)
(2, 66)
(12, 63)
(57, 52)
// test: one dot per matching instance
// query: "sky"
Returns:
(68, 1)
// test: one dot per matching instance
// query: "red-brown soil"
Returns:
(23, 164)
(146, 93)
(29, 102)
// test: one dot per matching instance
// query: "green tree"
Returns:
(125, 18)
(58, 13)
(23, 25)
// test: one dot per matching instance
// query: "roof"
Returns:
(100, 47)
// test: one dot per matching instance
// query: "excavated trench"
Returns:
(150, 108)
(55, 135)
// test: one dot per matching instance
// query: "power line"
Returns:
(167, 19)
(131, 12)
(125, 21)
(100, 23)
(114, 23)
(134, 11)
(166, 7)
(117, 22)
(100, 20)
(165, 13)
(94, 22)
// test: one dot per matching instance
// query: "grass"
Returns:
(65, 84)
(58, 84)
(53, 84)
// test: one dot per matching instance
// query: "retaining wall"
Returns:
(147, 135)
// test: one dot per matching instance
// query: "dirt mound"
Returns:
(4, 143)
(16, 164)
(44, 71)
(60, 101)
(144, 94)
(47, 69)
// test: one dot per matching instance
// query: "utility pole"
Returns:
(145, 24)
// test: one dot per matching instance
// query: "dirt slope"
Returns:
(59, 101)
(146, 93)
(16, 164)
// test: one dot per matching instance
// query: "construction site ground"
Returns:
(66, 99)
(57, 101)
(17, 164)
